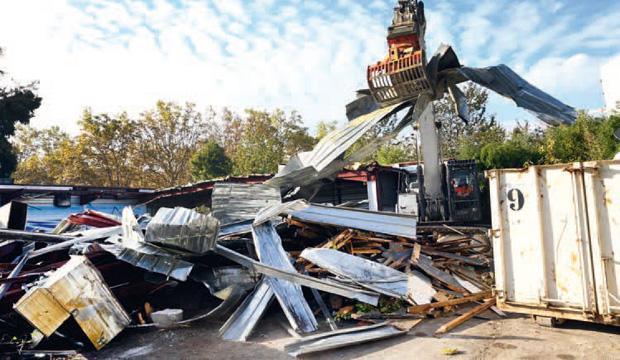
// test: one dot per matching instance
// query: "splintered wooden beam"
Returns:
(463, 318)
(458, 301)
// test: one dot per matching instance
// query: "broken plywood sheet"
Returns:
(413, 286)
(76, 289)
(290, 296)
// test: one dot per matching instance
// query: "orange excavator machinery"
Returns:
(402, 74)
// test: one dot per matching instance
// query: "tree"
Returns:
(588, 139)
(107, 143)
(267, 139)
(325, 127)
(169, 135)
(210, 162)
(465, 141)
(394, 153)
(259, 150)
(17, 105)
(35, 150)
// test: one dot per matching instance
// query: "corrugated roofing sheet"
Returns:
(289, 294)
(372, 275)
(183, 228)
(322, 161)
(342, 338)
(372, 221)
(231, 202)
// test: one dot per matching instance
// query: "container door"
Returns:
(602, 184)
(542, 255)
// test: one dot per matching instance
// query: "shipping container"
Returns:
(556, 240)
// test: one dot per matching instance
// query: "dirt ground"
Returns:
(515, 337)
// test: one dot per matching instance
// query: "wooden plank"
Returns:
(464, 259)
(463, 318)
(425, 307)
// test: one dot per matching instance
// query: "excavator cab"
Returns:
(401, 75)
(462, 191)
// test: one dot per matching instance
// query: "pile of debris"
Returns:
(96, 274)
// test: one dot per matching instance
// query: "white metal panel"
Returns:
(540, 238)
(602, 184)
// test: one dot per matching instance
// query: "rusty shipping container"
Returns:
(556, 238)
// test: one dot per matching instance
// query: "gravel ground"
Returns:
(515, 337)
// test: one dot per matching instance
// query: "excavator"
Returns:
(447, 191)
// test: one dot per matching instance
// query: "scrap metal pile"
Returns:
(327, 268)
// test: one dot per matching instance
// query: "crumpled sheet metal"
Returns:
(414, 286)
(131, 247)
(237, 228)
(504, 81)
(150, 258)
(241, 323)
(308, 167)
(233, 203)
(342, 338)
(183, 228)
(221, 278)
(365, 296)
(372, 221)
(75, 289)
(290, 296)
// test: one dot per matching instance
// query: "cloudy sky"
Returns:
(308, 55)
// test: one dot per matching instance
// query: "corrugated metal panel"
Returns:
(238, 228)
(342, 338)
(241, 323)
(150, 258)
(554, 240)
(506, 82)
(132, 248)
(368, 297)
(290, 296)
(184, 229)
(321, 162)
(373, 221)
(76, 289)
(232, 203)
(372, 275)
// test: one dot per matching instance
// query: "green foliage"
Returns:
(390, 305)
(364, 308)
(393, 153)
(588, 139)
(165, 146)
(324, 128)
(107, 147)
(510, 154)
(465, 141)
(210, 162)
(168, 137)
(17, 105)
(258, 142)
(524, 147)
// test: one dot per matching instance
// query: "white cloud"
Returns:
(115, 56)
(610, 77)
